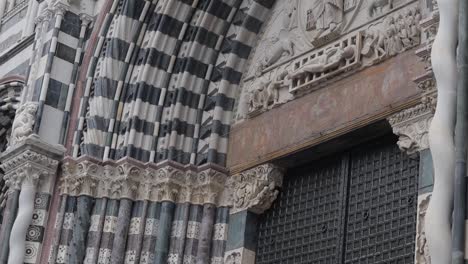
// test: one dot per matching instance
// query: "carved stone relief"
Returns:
(308, 44)
(422, 250)
(412, 127)
(253, 190)
(23, 124)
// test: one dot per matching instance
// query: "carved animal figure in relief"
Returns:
(331, 59)
(23, 124)
(378, 5)
(282, 43)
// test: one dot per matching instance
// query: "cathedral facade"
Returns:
(218, 131)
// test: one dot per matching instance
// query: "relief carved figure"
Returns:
(281, 42)
(331, 59)
(23, 124)
(378, 5)
(422, 247)
(397, 34)
(265, 94)
(325, 19)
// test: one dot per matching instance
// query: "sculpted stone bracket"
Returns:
(412, 127)
(32, 160)
(255, 189)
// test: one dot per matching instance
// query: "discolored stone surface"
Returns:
(363, 98)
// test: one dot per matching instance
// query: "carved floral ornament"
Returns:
(27, 166)
(412, 127)
(131, 179)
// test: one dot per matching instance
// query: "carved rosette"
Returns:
(134, 180)
(255, 189)
(412, 127)
(30, 162)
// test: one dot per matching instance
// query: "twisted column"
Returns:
(441, 134)
(24, 217)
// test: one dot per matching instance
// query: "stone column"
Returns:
(253, 192)
(30, 166)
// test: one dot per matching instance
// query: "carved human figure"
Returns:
(441, 141)
(325, 16)
(374, 45)
(331, 59)
(393, 43)
(273, 88)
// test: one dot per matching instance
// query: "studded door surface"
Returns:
(357, 207)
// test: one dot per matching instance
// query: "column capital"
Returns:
(412, 127)
(86, 19)
(256, 189)
(30, 161)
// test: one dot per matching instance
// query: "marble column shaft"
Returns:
(206, 234)
(164, 232)
(121, 233)
(8, 220)
(77, 250)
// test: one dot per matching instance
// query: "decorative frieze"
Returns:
(252, 190)
(337, 51)
(134, 180)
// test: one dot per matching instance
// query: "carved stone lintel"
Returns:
(412, 127)
(30, 162)
(255, 189)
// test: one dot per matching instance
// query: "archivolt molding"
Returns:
(253, 190)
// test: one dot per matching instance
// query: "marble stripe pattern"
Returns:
(161, 85)
(160, 79)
